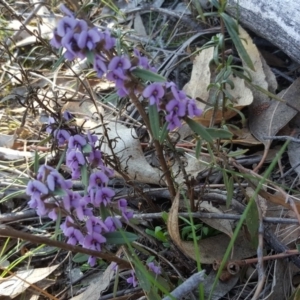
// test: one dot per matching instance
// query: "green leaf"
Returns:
(118, 238)
(142, 276)
(148, 75)
(163, 133)
(231, 26)
(90, 57)
(86, 149)
(154, 121)
(36, 162)
(199, 129)
(84, 176)
(198, 148)
(219, 133)
(229, 190)
(252, 222)
(80, 258)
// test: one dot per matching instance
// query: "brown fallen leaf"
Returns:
(268, 118)
(201, 77)
(211, 248)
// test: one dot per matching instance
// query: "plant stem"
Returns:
(157, 145)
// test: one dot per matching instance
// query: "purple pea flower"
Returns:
(143, 60)
(119, 63)
(53, 214)
(71, 200)
(43, 172)
(65, 10)
(56, 40)
(155, 269)
(66, 25)
(193, 110)
(93, 241)
(61, 136)
(82, 210)
(69, 222)
(89, 38)
(67, 116)
(92, 138)
(55, 180)
(92, 261)
(95, 158)
(74, 236)
(74, 160)
(176, 106)
(94, 224)
(154, 92)
(100, 65)
(35, 189)
(110, 41)
(97, 179)
(112, 224)
(102, 196)
(77, 142)
(173, 120)
(132, 279)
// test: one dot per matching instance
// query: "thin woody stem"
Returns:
(157, 145)
(10, 232)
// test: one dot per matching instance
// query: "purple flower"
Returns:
(110, 42)
(192, 109)
(154, 92)
(74, 160)
(119, 62)
(92, 138)
(53, 214)
(55, 180)
(102, 196)
(43, 172)
(67, 116)
(56, 40)
(112, 224)
(67, 223)
(132, 279)
(61, 136)
(88, 38)
(93, 241)
(173, 120)
(66, 25)
(65, 10)
(95, 158)
(73, 51)
(176, 106)
(74, 236)
(82, 210)
(35, 189)
(154, 268)
(143, 60)
(77, 141)
(100, 65)
(97, 179)
(94, 224)
(92, 261)
(71, 200)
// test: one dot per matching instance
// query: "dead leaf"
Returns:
(222, 225)
(139, 27)
(197, 87)
(211, 248)
(97, 286)
(268, 118)
(244, 137)
(13, 285)
(128, 149)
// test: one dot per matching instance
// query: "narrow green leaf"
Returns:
(198, 148)
(80, 258)
(199, 129)
(232, 30)
(229, 190)
(148, 75)
(163, 133)
(252, 222)
(154, 121)
(219, 133)
(36, 162)
(90, 57)
(118, 238)
(84, 176)
(59, 61)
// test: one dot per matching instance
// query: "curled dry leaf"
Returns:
(220, 224)
(97, 285)
(128, 150)
(211, 248)
(15, 285)
(197, 87)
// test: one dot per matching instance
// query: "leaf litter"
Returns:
(266, 117)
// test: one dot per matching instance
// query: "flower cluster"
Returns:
(80, 41)
(81, 226)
